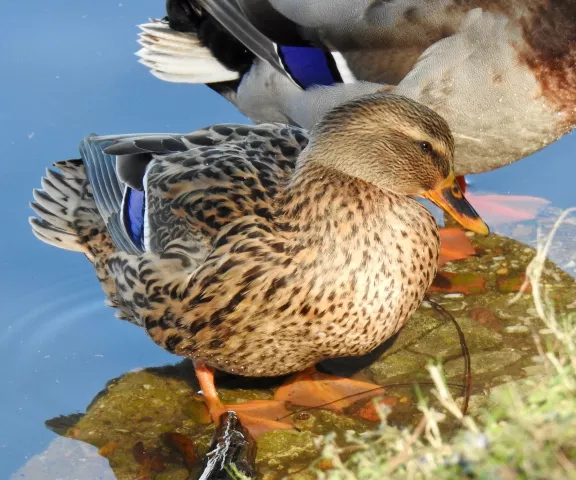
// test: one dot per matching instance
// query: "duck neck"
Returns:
(330, 207)
(354, 235)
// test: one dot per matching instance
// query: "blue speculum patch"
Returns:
(309, 66)
(134, 206)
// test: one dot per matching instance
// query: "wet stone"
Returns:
(398, 364)
(176, 474)
(513, 284)
(476, 404)
(418, 325)
(517, 329)
(484, 362)
(321, 421)
(444, 342)
(241, 395)
(533, 370)
(486, 317)
(135, 412)
(327, 421)
(450, 282)
(283, 447)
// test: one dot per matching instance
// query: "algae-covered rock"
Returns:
(326, 421)
(486, 317)
(134, 422)
(398, 364)
(482, 362)
(443, 342)
(513, 284)
(463, 283)
(176, 474)
(285, 451)
(422, 322)
(129, 419)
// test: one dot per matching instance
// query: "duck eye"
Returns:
(426, 147)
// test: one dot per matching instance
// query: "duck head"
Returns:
(398, 145)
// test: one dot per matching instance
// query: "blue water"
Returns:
(68, 69)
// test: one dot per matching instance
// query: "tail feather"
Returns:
(68, 218)
(48, 202)
(65, 208)
(57, 222)
(179, 57)
(45, 231)
(55, 186)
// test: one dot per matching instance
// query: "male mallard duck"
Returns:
(502, 73)
(236, 247)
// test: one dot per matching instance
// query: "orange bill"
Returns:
(449, 197)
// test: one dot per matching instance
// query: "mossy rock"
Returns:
(443, 342)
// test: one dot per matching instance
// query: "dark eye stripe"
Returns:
(427, 148)
(435, 157)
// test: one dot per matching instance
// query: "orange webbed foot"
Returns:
(258, 416)
(314, 389)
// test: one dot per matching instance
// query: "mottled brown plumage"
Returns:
(258, 265)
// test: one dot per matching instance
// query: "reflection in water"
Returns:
(502, 209)
(62, 312)
(66, 459)
(528, 220)
(530, 233)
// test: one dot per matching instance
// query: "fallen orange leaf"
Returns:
(454, 245)
(467, 283)
(108, 449)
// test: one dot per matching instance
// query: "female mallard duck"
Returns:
(502, 73)
(236, 247)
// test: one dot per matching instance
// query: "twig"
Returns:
(467, 390)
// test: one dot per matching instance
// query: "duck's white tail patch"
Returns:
(179, 57)
(64, 194)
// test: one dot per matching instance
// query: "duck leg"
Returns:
(258, 416)
(312, 388)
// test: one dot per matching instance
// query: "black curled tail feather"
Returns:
(188, 16)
